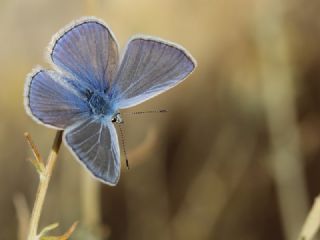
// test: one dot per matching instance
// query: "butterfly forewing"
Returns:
(88, 51)
(148, 68)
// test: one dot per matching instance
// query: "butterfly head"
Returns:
(116, 118)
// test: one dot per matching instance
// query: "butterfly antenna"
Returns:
(123, 145)
(142, 112)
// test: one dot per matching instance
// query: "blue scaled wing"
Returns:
(87, 50)
(95, 145)
(52, 101)
(148, 68)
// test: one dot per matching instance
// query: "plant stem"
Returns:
(43, 186)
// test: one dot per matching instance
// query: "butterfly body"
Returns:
(101, 105)
(90, 84)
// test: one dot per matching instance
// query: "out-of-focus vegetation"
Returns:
(236, 157)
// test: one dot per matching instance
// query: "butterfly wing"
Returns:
(52, 101)
(87, 50)
(95, 145)
(148, 68)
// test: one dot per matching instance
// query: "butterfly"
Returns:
(90, 83)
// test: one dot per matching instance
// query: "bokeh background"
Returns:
(236, 157)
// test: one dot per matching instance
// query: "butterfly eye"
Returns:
(116, 118)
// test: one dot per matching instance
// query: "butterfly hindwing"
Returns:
(87, 50)
(52, 101)
(95, 145)
(148, 68)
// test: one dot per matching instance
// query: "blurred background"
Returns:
(236, 157)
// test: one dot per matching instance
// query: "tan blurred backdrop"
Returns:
(236, 157)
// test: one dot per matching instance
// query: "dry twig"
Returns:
(45, 172)
(312, 223)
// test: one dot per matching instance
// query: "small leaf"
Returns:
(65, 236)
(49, 238)
(38, 166)
(48, 229)
(33, 147)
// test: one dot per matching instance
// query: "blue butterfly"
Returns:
(89, 84)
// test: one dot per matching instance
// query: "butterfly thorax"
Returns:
(100, 104)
